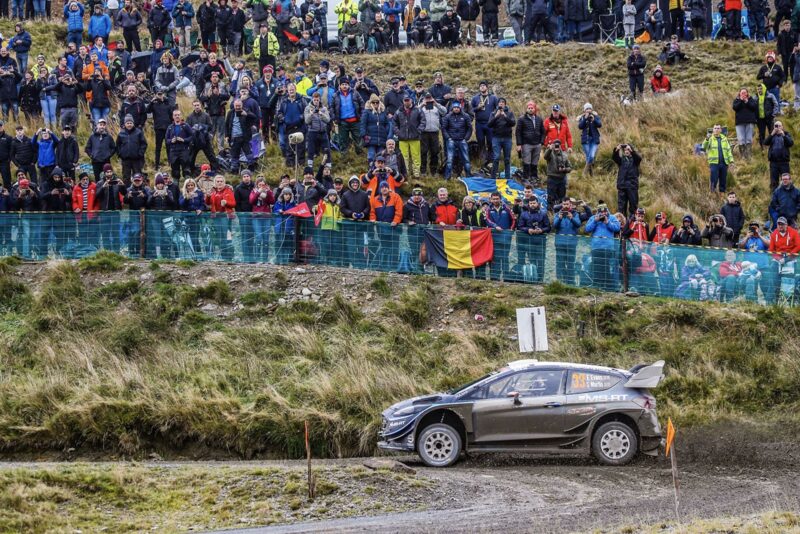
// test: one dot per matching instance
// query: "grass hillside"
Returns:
(195, 360)
(664, 129)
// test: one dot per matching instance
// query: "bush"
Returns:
(118, 291)
(259, 297)
(102, 262)
(413, 308)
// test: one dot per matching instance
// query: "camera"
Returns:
(714, 219)
(754, 228)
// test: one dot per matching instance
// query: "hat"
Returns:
(308, 170)
(419, 82)
(323, 76)
(267, 68)
(386, 184)
(661, 215)
(636, 47)
(324, 63)
(57, 172)
(338, 181)
(359, 70)
(130, 72)
(428, 95)
(556, 107)
(205, 167)
(159, 179)
(394, 79)
(380, 158)
(456, 104)
(483, 82)
(83, 175)
(401, 78)
(352, 179)
(286, 191)
(639, 211)
(332, 192)
(781, 220)
(687, 218)
(107, 167)
(67, 128)
(129, 118)
(373, 98)
(137, 176)
(279, 67)
(406, 98)
(557, 142)
(299, 68)
(263, 25)
(587, 106)
(770, 53)
(246, 172)
(602, 208)
(417, 191)
(25, 183)
(101, 120)
(502, 99)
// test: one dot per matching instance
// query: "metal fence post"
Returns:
(142, 235)
(624, 248)
(297, 222)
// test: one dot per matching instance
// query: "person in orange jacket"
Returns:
(660, 83)
(784, 240)
(556, 126)
(381, 173)
(387, 208)
(222, 205)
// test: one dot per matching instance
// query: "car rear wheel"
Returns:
(615, 444)
(439, 445)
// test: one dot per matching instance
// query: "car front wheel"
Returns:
(615, 444)
(439, 445)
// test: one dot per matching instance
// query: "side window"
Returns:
(583, 382)
(537, 383)
(498, 388)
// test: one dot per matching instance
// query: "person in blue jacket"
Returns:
(376, 128)
(284, 226)
(99, 26)
(566, 223)
(499, 218)
(182, 15)
(21, 45)
(602, 226)
(45, 143)
(589, 124)
(533, 226)
(73, 12)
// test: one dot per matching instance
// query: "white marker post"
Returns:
(532, 329)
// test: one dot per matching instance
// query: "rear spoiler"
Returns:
(647, 376)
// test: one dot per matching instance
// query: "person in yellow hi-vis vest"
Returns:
(265, 47)
(331, 246)
(345, 10)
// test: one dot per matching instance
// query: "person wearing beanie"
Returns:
(660, 83)
(556, 126)
(22, 154)
(529, 138)
(772, 75)
(636, 64)
(603, 226)
(131, 147)
(100, 147)
(628, 160)
(331, 243)
(284, 226)
(242, 193)
(161, 199)
(589, 124)
(387, 208)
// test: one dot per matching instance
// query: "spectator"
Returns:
(637, 229)
(29, 98)
(660, 83)
(160, 200)
(469, 215)
(784, 241)
(785, 200)
(23, 155)
(347, 109)
(556, 126)
(558, 169)
(393, 13)
(654, 22)
(284, 226)
(166, 78)
(99, 25)
(317, 119)
(529, 137)
(566, 223)
(501, 126)
(733, 15)
(206, 20)
(484, 105)
(375, 127)
(746, 108)
(110, 194)
(794, 69)
(158, 22)
(417, 211)
(662, 231)
(628, 161)
(136, 198)
(779, 142)
(534, 224)
(73, 13)
(636, 65)
(129, 19)
(21, 44)
(734, 215)
(25, 197)
(768, 108)
(629, 21)
(131, 147)
(457, 129)
(67, 152)
(239, 128)
(386, 207)
(382, 173)
(222, 205)
(688, 233)
(697, 17)
(161, 110)
(718, 233)
(468, 11)
(500, 219)
(719, 155)
(182, 15)
(602, 227)
(449, 28)
(772, 76)
(589, 124)
(45, 143)
(179, 141)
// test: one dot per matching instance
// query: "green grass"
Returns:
(132, 498)
(102, 262)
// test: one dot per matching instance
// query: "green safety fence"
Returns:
(613, 265)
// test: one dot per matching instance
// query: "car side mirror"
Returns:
(514, 395)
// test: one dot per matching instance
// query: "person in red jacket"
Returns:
(222, 205)
(638, 228)
(556, 126)
(662, 231)
(85, 207)
(660, 83)
(784, 240)
(444, 212)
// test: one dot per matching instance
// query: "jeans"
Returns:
(484, 136)
(22, 60)
(565, 263)
(655, 30)
(504, 144)
(48, 104)
(776, 168)
(602, 260)
(590, 149)
(18, 9)
(744, 133)
(463, 149)
(796, 96)
(38, 9)
(99, 113)
(719, 175)
(317, 143)
(13, 106)
(75, 36)
(261, 228)
(775, 91)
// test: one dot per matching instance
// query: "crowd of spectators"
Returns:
(407, 131)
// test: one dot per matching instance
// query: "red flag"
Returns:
(301, 210)
(320, 211)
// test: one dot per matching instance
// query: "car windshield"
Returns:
(465, 387)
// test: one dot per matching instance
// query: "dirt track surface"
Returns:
(486, 494)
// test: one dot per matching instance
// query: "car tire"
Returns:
(615, 443)
(439, 445)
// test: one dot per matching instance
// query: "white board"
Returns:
(532, 329)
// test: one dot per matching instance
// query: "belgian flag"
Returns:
(459, 249)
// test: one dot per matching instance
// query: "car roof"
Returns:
(519, 365)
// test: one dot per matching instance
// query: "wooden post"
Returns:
(675, 482)
(312, 490)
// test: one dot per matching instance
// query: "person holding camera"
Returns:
(589, 124)
(56, 197)
(779, 142)
(160, 200)
(602, 226)
(567, 224)
(558, 168)
(501, 220)
(637, 228)
(317, 118)
(136, 199)
(719, 156)
(25, 197)
(628, 161)
(746, 112)
(718, 233)
(501, 126)
(688, 233)
(45, 143)
(533, 224)
(110, 194)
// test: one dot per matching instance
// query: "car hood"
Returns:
(422, 401)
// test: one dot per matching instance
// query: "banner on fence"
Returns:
(459, 249)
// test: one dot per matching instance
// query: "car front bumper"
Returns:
(403, 443)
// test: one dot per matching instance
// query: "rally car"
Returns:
(536, 407)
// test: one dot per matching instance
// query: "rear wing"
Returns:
(646, 377)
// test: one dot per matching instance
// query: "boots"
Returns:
(588, 169)
(748, 150)
(526, 171)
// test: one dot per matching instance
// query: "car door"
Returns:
(587, 394)
(535, 418)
